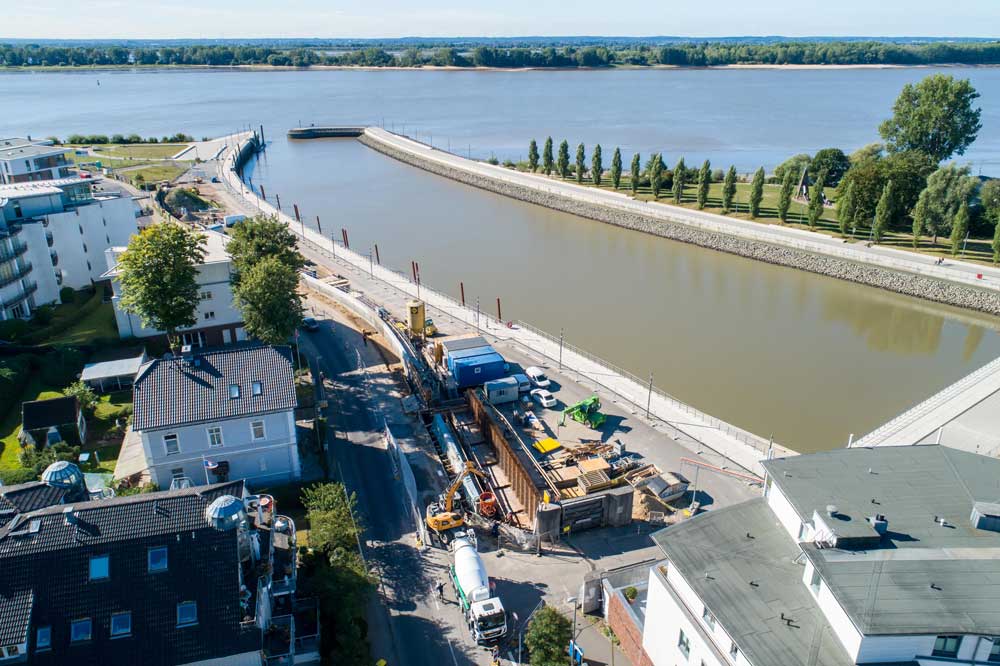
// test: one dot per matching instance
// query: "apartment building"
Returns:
(24, 161)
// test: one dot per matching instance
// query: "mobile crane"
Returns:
(441, 515)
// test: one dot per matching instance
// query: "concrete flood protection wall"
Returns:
(897, 275)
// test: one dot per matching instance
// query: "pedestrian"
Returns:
(440, 589)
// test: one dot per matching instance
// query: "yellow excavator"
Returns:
(441, 515)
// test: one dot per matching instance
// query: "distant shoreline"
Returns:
(438, 68)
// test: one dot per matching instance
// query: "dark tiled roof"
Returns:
(177, 392)
(48, 563)
(15, 615)
(48, 413)
(26, 497)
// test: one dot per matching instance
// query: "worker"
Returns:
(495, 657)
(440, 589)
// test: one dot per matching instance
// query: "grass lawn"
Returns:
(155, 151)
(154, 173)
(110, 408)
(11, 426)
(79, 322)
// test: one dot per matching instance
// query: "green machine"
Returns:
(586, 411)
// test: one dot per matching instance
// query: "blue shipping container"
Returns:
(481, 350)
(478, 369)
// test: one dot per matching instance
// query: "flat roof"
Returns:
(29, 150)
(215, 251)
(109, 369)
(750, 582)
(923, 576)
(40, 187)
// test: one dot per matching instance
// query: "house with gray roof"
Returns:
(862, 556)
(214, 415)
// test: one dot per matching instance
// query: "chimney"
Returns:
(69, 515)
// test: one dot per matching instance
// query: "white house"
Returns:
(53, 234)
(209, 416)
(24, 161)
(888, 555)
(219, 320)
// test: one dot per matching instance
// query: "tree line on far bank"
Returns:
(702, 54)
(898, 185)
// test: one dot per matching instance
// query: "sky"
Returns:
(137, 19)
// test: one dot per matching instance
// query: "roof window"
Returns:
(257, 388)
(234, 391)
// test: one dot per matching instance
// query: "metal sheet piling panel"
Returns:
(521, 480)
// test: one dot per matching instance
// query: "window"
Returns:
(187, 613)
(177, 473)
(995, 651)
(170, 444)
(99, 567)
(684, 644)
(709, 619)
(215, 436)
(946, 646)
(734, 651)
(257, 388)
(205, 295)
(234, 391)
(43, 638)
(257, 429)
(121, 624)
(209, 315)
(156, 559)
(79, 630)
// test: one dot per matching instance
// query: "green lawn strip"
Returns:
(79, 322)
(110, 408)
(134, 151)
(11, 426)
(154, 173)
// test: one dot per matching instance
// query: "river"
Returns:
(803, 357)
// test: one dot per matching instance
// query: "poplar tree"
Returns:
(847, 206)
(616, 168)
(547, 163)
(655, 174)
(959, 227)
(996, 244)
(704, 180)
(883, 212)
(679, 180)
(564, 159)
(816, 200)
(533, 156)
(785, 197)
(729, 189)
(634, 174)
(581, 158)
(596, 167)
(756, 192)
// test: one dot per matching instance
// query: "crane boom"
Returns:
(470, 468)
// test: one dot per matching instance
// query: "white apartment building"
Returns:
(217, 415)
(53, 234)
(878, 556)
(219, 320)
(23, 161)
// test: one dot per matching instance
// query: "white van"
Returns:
(523, 383)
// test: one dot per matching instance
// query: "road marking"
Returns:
(450, 649)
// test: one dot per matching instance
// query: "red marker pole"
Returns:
(378, 259)
(461, 288)
(319, 226)
(499, 318)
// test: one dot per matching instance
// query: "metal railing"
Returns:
(18, 273)
(9, 253)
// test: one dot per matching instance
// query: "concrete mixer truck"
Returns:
(484, 613)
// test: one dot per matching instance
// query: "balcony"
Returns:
(28, 290)
(16, 250)
(19, 272)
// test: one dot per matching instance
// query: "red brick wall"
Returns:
(628, 633)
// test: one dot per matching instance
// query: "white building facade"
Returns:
(25, 161)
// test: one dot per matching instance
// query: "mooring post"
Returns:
(319, 226)
(378, 260)
(461, 288)
(263, 195)
(343, 232)
(499, 317)
(278, 199)
(262, 136)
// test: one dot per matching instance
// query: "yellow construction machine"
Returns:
(441, 515)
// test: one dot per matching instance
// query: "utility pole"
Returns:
(560, 347)
(649, 398)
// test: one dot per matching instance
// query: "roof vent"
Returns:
(831, 510)
(985, 516)
(70, 517)
(879, 523)
(225, 513)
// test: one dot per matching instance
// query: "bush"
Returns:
(11, 477)
(14, 374)
(12, 330)
(42, 315)
(67, 295)
(59, 368)
(37, 460)
(547, 637)
(630, 593)
(493, 160)
(83, 393)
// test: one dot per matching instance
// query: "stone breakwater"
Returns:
(910, 284)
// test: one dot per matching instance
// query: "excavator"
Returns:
(441, 515)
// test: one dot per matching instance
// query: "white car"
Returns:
(537, 377)
(543, 397)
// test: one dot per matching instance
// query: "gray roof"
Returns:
(176, 392)
(29, 150)
(922, 577)
(123, 367)
(748, 583)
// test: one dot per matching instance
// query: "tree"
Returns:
(616, 168)
(547, 164)
(947, 189)
(268, 298)
(563, 163)
(533, 156)
(729, 189)
(960, 227)
(816, 199)
(868, 152)
(581, 159)
(596, 167)
(634, 173)
(989, 197)
(260, 237)
(756, 192)
(795, 164)
(331, 513)
(84, 395)
(846, 207)
(704, 181)
(679, 174)
(831, 161)
(785, 196)
(548, 637)
(883, 213)
(655, 174)
(908, 172)
(996, 243)
(158, 274)
(934, 116)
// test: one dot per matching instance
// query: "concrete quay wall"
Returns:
(870, 274)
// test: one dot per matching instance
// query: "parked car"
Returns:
(543, 397)
(310, 324)
(537, 377)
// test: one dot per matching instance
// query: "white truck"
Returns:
(484, 613)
